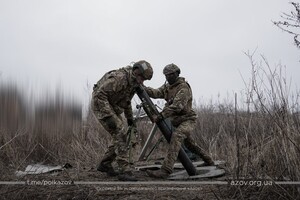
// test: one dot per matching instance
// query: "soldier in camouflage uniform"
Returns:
(111, 97)
(178, 95)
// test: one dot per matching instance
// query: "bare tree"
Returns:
(291, 23)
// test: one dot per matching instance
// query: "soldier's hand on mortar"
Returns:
(111, 122)
(156, 118)
(131, 122)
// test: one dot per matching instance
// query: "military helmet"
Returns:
(171, 68)
(145, 68)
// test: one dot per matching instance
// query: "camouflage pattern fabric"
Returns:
(113, 93)
(111, 97)
(179, 101)
(118, 149)
(178, 109)
(182, 135)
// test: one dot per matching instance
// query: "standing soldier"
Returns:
(111, 97)
(178, 95)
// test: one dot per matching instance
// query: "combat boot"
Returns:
(107, 168)
(162, 173)
(204, 156)
(127, 176)
(208, 161)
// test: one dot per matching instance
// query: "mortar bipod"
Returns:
(150, 136)
(143, 155)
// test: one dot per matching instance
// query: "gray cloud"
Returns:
(74, 41)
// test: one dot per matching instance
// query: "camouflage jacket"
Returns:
(179, 101)
(113, 93)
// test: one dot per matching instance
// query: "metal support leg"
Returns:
(147, 144)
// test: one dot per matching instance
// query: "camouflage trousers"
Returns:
(117, 150)
(182, 135)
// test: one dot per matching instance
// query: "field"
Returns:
(257, 134)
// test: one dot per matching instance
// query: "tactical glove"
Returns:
(131, 122)
(110, 122)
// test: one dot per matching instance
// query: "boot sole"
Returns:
(105, 170)
(121, 178)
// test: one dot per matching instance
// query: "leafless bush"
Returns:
(13, 109)
(260, 140)
(276, 105)
(268, 145)
(291, 23)
(14, 118)
(56, 123)
(35, 137)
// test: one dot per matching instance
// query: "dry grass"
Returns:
(258, 140)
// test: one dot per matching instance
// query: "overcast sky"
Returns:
(69, 43)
